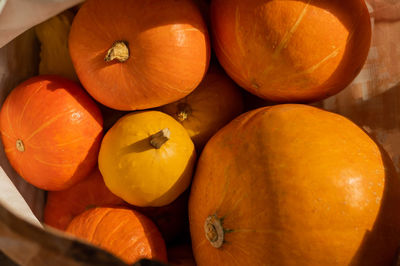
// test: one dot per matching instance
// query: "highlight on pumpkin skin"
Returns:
(51, 131)
(214, 103)
(291, 51)
(150, 144)
(125, 233)
(146, 59)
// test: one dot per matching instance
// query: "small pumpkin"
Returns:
(208, 108)
(53, 38)
(139, 54)
(291, 51)
(51, 131)
(294, 185)
(62, 206)
(147, 159)
(125, 233)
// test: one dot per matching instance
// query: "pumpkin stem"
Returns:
(119, 51)
(214, 231)
(20, 145)
(159, 138)
(184, 111)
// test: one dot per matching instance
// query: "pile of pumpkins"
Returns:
(132, 123)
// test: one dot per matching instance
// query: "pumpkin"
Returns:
(62, 206)
(147, 159)
(291, 51)
(208, 108)
(294, 185)
(125, 233)
(139, 54)
(53, 38)
(51, 131)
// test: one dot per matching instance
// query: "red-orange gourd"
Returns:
(139, 54)
(125, 233)
(62, 206)
(209, 107)
(291, 50)
(51, 131)
(294, 185)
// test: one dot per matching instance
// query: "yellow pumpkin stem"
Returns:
(159, 138)
(214, 231)
(118, 51)
(184, 111)
(20, 145)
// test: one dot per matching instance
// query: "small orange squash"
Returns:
(62, 206)
(127, 234)
(208, 108)
(294, 185)
(51, 131)
(139, 54)
(300, 50)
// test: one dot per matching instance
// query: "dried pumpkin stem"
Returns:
(20, 145)
(118, 51)
(158, 139)
(214, 231)
(183, 112)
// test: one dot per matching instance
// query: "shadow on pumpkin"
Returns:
(379, 245)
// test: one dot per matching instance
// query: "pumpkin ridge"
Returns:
(27, 103)
(9, 121)
(108, 211)
(46, 124)
(288, 35)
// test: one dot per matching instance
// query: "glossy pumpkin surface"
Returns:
(51, 131)
(125, 233)
(209, 107)
(143, 172)
(294, 185)
(165, 55)
(301, 50)
(62, 206)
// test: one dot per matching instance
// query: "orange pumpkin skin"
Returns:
(208, 108)
(62, 206)
(168, 51)
(51, 131)
(125, 233)
(294, 185)
(291, 51)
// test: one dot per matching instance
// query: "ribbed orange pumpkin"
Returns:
(300, 50)
(209, 107)
(294, 185)
(62, 206)
(139, 54)
(51, 131)
(127, 234)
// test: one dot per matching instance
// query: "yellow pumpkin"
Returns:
(147, 159)
(53, 38)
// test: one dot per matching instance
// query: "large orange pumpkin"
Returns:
(291, 50)
(208, 108)
(294, 185)
(139, 54)
(51, 131)
(62, 206)
(127, 234)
